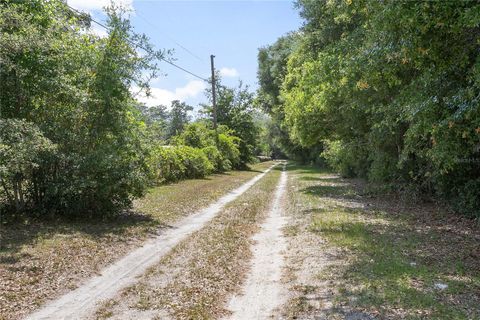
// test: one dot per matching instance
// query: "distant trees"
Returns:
(235, 109)
(163, 123)
(388, 89)
(178, 117)
(156, 119)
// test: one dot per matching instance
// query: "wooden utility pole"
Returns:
(214, 98)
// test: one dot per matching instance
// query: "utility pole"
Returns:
(214, 98)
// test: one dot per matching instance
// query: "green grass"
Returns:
(393, 254)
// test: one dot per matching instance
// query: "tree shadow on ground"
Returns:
(402, 266)
(14, 236)
(322, 179)
(305, 169)
(402, 250)
(331, 191)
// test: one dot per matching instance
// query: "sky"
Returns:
(231, 30)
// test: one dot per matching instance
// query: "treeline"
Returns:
(387, 90)
(73, 139)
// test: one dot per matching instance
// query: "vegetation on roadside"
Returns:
(74, 141)
(385, 90)
(73, 89)
(381, 256)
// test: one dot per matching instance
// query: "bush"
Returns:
(468, 201)
(223, 156)
(22, 148)
(219, 162)
(196, 162)
(346, 160)
(174, 163)
(166, 165)
(228, 147)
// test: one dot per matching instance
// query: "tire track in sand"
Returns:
(82, 302)
(263, 291)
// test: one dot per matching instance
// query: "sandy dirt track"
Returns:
(263, 290)
(82, 302)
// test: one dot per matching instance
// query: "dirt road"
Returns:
(80, 303)
(310, 245)
(262, 292)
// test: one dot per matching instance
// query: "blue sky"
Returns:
(231, 30)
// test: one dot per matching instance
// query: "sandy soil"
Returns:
(263, 291)
(82, 302)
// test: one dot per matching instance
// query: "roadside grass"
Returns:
(394, 256)
(195, 280)
(42, 259)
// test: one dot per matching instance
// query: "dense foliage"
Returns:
(195, 153)
(73, 138)
(70, 89)
(173, 163)
(23, 148)
(235, 110)
(389, 90)
(221, 147)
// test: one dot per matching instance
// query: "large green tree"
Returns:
(74, 87)
(272, 70)
(390, 88)
(178, 117)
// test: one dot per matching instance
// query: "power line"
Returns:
(166, 35)
(142, 47)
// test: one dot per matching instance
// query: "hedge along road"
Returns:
(80, 303)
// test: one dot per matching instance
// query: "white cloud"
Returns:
(98, 31)
(98, 4)
(163, 96)
(229, 72)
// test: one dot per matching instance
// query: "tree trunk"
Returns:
(16, 196)
(20, 193)
(9, 196)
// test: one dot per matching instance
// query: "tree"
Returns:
(74, 87)
(235, 109)
(22, 150)
(272, 70)
(390, 88)
(156, 119)
(178, 117)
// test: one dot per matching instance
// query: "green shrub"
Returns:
(196, 162)
(195, 135)
(219, 162)
(224, 155)
(174, 163)
(228, 147)
(22, 149)
(468, 201)
(166, 165)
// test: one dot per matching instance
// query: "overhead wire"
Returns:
(142, 47)
(170, 38)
